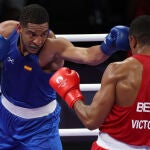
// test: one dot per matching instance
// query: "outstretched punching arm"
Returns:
(115, 41)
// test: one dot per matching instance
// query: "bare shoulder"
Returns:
(122, 69)
(7, 27)
(125, 78)
(57, 44)
(52, 51)
(52, 47)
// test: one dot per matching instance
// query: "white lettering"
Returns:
(146, 107)
(148, 126)
(134, 123)
(141, 124)
(143, 107)
(139, 107)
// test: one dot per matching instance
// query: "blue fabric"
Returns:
(4, 47)
(23, 81)
(17, 133)
(25, 84)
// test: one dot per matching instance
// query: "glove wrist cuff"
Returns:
(73, 96)
(105, 49)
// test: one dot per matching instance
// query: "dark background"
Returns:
(83, 17)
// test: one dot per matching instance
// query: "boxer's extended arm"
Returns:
(115, 41)
(66, 84)
(119, 86)
(93, 115)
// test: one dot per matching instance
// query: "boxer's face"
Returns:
(32, 37)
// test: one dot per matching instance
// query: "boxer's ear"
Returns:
(18, 28)
(133, 43)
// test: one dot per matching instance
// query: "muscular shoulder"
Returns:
(126, 77)
(7, 27)
(123, 69)
(57, 44)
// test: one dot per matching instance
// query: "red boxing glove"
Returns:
(66, 83)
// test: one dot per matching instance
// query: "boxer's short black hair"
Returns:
(140, 29)
(35, 14)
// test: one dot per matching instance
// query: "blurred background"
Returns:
(81, 17)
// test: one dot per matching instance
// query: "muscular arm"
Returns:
(91, 55)
(93, 115)
(116, 40)
(67, 51)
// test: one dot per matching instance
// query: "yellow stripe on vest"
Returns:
(28, 68)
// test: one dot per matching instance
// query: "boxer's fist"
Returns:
(4, 47)
(116, 40)
(66, 83)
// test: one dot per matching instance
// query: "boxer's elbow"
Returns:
(86, 116)
(90, 124)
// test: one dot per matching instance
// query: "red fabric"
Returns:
(131, 124)
(96, 147)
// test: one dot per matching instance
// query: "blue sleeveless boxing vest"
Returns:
(24, 83)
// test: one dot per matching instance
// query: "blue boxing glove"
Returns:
(116, 40)
(4, 47)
